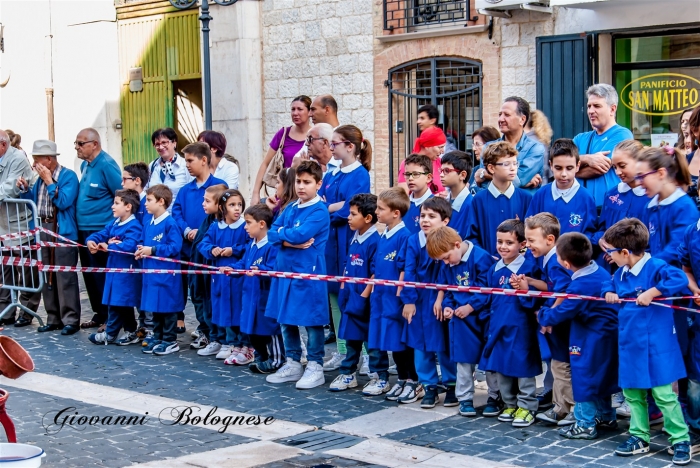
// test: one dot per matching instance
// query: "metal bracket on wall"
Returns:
(490, 27)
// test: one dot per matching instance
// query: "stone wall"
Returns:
(318, 47)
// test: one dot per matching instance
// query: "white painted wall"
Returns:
(85, 71)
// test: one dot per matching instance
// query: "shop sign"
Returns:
(661, 94)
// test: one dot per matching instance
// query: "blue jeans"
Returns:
(426, 368)
(118, 317)
(692, 416)
(200, 303)
(586, 412)
(236, 338)
(378, 360)
(314, 348)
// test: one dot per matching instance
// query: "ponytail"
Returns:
(363, 148)
(670, 159)
(366, 154)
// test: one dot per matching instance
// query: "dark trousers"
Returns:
(20, 276)
(61, 292)
(200, 304)
(406, 364)
(164, 326)
(187, 282)
(268, 348)
(118, 318)
(378, 360)
(94, 282)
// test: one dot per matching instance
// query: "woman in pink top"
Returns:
(432, 144)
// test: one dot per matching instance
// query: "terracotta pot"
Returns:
(14, 359)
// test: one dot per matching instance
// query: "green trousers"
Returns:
(667, 401)
(335, 313)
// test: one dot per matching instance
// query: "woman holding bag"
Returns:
(287, 142)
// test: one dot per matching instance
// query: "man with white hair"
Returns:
(318, 141)
(597, 145)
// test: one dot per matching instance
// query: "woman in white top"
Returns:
(222, 166)
(170, 168)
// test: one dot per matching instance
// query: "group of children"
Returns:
(643, 244)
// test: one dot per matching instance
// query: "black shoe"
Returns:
(7, 320)
(450, 397)
(330, 338)
(69, 330)
(180, 330)
(430, 398)
(23, 322)
(48, 328)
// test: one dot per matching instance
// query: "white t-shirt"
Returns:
(228, 172)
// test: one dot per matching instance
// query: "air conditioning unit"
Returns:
(501, 7)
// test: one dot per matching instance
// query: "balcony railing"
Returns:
(402, 16)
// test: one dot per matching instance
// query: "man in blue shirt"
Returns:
(101, 178)
(597, 145)
(514, 114)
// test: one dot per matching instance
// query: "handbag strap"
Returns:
(284, 137)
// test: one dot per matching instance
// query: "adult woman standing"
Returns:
(479, 139)
(686, 141)
(169, 168)
(693, 157)
(222, 166)
(291, 138)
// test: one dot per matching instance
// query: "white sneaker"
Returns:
(393, 371)
(375, 386)
(226, 351)
(624, 410)
(196, 334)
(618, 399)
(333, 363)
(199, 343)
(313, 377)
(291, 371)
(303, 359)
(343, 382)
(245, 356)
(211, 349)
(364, 366)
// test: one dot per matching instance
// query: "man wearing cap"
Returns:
(430, 143)
(54, 189)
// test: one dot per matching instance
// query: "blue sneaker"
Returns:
(466, 408)
(165, 347)
(681, 453)
(101, 338)
(148, 349)
(632, 446)
(493, 407)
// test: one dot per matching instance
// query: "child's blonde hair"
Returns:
(396, 199)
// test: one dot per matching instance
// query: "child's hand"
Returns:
(143, 251)
(216, 251)
(114, 240)
(271, 202)
(306, 244)
(102, 246)
(545, 330)
(409, 310)
(438, 311)
(250, 273)
(448, 312)
(464, 311)
(612, 298)
(519, 282)
(225, 270)
(226, 252)
(191, 235)
(92, 247)
(645, 298)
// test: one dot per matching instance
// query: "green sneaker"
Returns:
(523, 418)
(507, 415)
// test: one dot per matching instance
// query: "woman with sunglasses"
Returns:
(169, 168)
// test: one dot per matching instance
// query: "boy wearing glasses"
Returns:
(565, 198)
(501, 201)
(419, 177)
(134, 177)
(454, 174)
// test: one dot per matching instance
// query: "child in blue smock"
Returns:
(419, 177)
(565, 198)
(454, 174)
(648, 349)
(300, 234)
(511, 347)
(122, 290)
(386, 320)
(339, 185)
(501, 201)
(592, 341)
(135, 177)
(464, 265)
(424, 331)
(354, 300)
(161, 293)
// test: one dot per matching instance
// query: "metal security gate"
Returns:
(451, 84)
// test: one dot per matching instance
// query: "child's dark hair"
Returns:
(395, 198)
(139, 170)
(226, 196)
(260, 212)
(629, 234)
(671, 159)
(438, 205)
(198, 149)
(312, 168)
(495, 151)
(366, 204)
(564, 147)
(161, 192)
(513, 226)
(546, 221)
(420, 160)
(575, 248)
(129, 197)
(460, 161)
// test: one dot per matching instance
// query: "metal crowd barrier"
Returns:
(20, 284)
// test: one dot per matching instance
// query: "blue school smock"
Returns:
(340, 185)
(511, 345)
(689, 257)
(141, 212)
(162, 292)
(575, 208)
(620, 202)
(300, 302)
(386, 308)
(425, 332)
(648, 348)
(412, 218)
(256, 289)
(226, 290)
(200, 285)
(593, 338)
(359, 263)
(121, 289)
(461, 205)
(489, 209)
(467, 335)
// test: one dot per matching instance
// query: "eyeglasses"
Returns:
(310, 140)
(333, 144)
(448, 171)
(508, 164)
(610, 251)
(477, 144)
(124, 179)
(641, 177)
(163, 143)
(82, 143)
(414, 175)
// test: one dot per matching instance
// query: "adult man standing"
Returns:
(324, 109)
(55, 190)
(514, 114)
(13, 165)
(101, 178)
(596, 146)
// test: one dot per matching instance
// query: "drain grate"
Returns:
(321, 441)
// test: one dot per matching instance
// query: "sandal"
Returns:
(89, 324)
